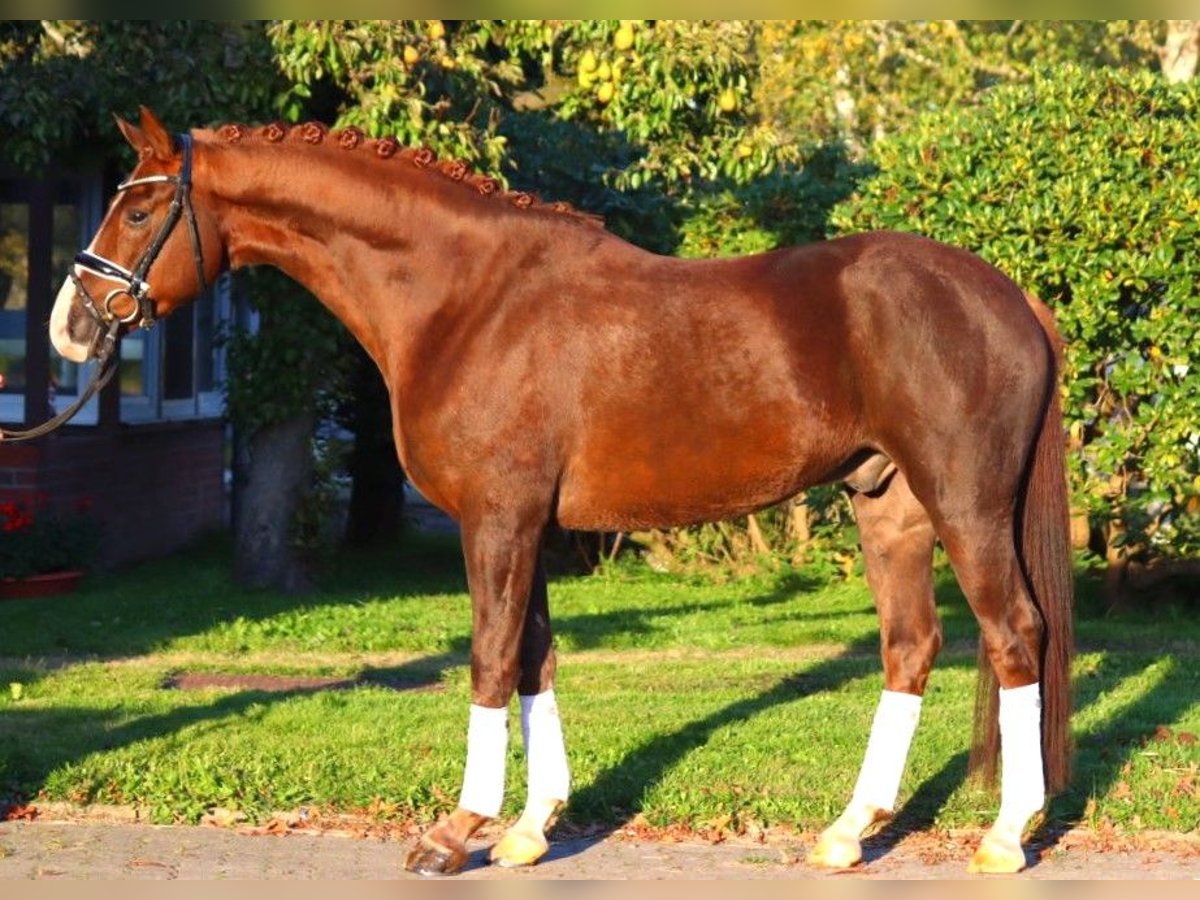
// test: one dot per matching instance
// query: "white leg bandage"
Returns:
(487, 748)
(1022, 782)
(892, 732)
(549, 777)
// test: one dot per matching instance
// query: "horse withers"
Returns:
(543, 370)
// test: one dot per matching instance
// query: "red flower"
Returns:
(36, 539)
(16, 517)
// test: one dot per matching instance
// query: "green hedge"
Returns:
(786, 206)
(1084, 186)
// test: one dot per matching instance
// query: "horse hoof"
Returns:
(997, 856)
(429, 858)
(519, 848)
(836, 851)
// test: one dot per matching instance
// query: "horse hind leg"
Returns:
(897, 539)
(524, 843)
(983, 553)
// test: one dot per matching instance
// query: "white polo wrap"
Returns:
(487, 749)
(1022, 780)
(892, 731)
(549, 775)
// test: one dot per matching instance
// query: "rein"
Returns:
(103, 375)
(132, 284)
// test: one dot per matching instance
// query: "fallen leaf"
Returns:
(274, 826)
(1186, 786)
(20, 812)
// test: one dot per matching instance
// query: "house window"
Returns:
(25, 242)
(173, 370)
(77, 205)
(14, 291)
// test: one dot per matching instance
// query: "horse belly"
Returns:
(647, 479)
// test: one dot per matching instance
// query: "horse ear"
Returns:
(148, 139)
(158, 138)
(133, 134)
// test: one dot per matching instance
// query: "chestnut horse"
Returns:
(543, 370)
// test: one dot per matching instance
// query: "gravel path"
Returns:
(90, 850)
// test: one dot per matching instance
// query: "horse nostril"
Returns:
(80, 326)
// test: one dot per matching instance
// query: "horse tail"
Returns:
(1044, 546)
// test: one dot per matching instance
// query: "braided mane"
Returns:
(354, 139)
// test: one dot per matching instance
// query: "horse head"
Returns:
(153, 251)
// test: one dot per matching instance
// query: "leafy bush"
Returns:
(786, 206)
(294, 361)
(1084, 186)
(814, 530)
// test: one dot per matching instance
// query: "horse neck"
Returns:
(372, 239)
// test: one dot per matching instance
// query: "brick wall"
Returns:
(154, 488)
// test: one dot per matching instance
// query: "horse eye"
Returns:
(137, 216)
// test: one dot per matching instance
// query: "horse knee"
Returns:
(493, 680)
(908, 658)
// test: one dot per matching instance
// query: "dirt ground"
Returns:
(48, 846)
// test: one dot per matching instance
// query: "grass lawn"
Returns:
(688, 701)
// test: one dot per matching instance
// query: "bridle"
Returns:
(131, 284)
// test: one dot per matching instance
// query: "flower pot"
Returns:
(47, 585)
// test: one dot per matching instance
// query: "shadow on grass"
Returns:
(144, 609)
(27, 761)
(1103, 752)
(585, 631)
(617, 793)
(1101, 755)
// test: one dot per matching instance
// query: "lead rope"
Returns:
(103, 374)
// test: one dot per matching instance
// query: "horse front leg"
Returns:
(549, 778)
(501, 558)
(897, 539)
